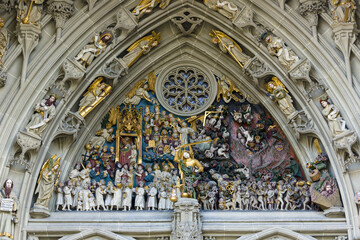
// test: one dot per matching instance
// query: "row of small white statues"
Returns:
(110, 197)
(257, 195)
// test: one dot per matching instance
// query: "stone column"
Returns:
(186, 223)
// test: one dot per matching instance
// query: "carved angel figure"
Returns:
(226, 88)
(141, 47)
(337, 124)
(103, 135)
(30, 11)
(44, 113)
(7, 214)
(277, 91)
(94, 48)
(227, 45)
(140, 91)
(47, 180)
(343, 11)
(146, 6)
(277, 47)
(96, 93)
(4, 38)
(226, 8)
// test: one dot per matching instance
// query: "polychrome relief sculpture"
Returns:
(225, 8)
(8, 207)
(343, 11)
(147, 6)
(44, 112)
(231, 156)
(30, 11)
(94, 48)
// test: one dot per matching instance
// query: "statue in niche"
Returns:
(141, 91)
(278, 48)
(343, 11)
(226, 8)
(8, 207)
(94, 48)
(96, 93)
(47, 180)
(4, 39)
(227, 88)
(227, 45)
(146, 6)
(337, 124)
(44, 113)
(30, 11)
(277, 91)
(141, 47)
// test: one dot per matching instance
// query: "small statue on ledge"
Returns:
(8, 207)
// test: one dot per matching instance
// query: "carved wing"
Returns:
(137, 86)
(279, 83)
(113, 113)
(93, 86)
(220, 35)
(219, 91)
(135, 44)
(232, 87)
(152, 81)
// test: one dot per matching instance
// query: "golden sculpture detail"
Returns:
(141, 47)
(141, 90)
(129, 131)
(4, 37)
(146, 6)
(277, 91)
(30, 11)
(227, 88)
(96, 93)
(343, 11)
(227, 45)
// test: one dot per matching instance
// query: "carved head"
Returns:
(8, 186)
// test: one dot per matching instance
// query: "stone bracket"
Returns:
(244, 18)
(70, 125)
(345, 142)
(257, 69)
(74, 72)
(26, 141)
(301, 123)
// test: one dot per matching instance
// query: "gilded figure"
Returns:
(227, 45)
(343, 11)
(47, 181)
(146, 6)
(30, 11)
(227, 90)
(141, 47)
(4, 40)
(141, 91)
(96, 93)
(277, 91)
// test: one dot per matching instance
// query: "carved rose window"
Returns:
(186, 91)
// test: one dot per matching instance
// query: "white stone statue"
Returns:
(59, 196)
(8, 205)
(94, 48)
(140, 196)
(44, 113)
(127, 197)
(99, 192)
(109, 194)
(278, 48)
(162, 199)
(226, 8)
(117, 198)
(47, 180)
(184, 131)
(67, 198)
(337, 124)
(152, 201)
(84, 195)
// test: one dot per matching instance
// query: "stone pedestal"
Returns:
(39, 212)
(345, 142)
(186, 223)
